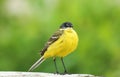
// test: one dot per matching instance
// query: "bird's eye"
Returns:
(67, 25)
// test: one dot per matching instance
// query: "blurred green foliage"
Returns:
(26, 25)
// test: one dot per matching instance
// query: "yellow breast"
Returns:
(66, 44)
(70, 42)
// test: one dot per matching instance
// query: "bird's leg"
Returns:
(54, 59)
(65, 71)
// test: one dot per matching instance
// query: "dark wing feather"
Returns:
(53, 38)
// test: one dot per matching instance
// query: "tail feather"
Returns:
(36, 64)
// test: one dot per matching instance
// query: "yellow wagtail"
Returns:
(61, 43)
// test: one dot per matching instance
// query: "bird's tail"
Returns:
(36, 64)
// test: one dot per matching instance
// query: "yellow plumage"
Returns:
(62, 43)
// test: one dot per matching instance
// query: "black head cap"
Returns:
(66, 25)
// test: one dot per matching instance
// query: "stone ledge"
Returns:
(40, 74)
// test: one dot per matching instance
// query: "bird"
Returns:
(60, 44)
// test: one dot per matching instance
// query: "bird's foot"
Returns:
(56, 72)
(65, 72)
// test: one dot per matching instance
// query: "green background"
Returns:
(26, 25)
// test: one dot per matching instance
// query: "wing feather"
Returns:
(53, 38)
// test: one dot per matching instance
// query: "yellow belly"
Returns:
(66, 44)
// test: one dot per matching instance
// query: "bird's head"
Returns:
(66, 25)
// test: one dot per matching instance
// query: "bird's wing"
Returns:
(53, 38)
